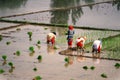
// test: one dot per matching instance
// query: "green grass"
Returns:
(110, 45)
(90, 34)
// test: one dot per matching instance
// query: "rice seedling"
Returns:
(92, 67)
(37, 78)
(117, 65)
(4, 57)
(66, 59)
(18, 53)
(85, 67)
(11, 65)
(39, 58)
(35, 69)
(8, 43)
(1, 37)
(103, 75)
(30, 35)
(38, 44)
(1, 71)
(31, 49)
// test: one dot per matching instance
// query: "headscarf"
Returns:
(70, 27)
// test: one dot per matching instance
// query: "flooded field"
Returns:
(29, 58)
(52, 66)
(99, 15)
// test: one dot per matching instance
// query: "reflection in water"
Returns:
(70, 61)
(72, 16)
(62, 16)
(11, 4)
(117, 3)
(89, 1)
(4, 62)
(96, 60)
(80, 58)
(31, 54)
(50, 49)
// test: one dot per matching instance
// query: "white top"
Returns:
(51, 35)
(96, 43)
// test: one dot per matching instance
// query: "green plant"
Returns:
(38, 78)
(31, 48)
(66, 59)
(4, 57)
(8, 43)
(1, 71)
(18, 53)
(39, 57)
(11, 65)
(38, 42)
(35, 69)
(103, 75)
(1, 37)
(85, 67)
(92, 67)
(117, 65)
(30, 35)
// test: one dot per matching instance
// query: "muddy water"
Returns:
(99, 16)
(52, 66)
(3, 25)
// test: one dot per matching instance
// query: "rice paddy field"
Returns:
(25, 57)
